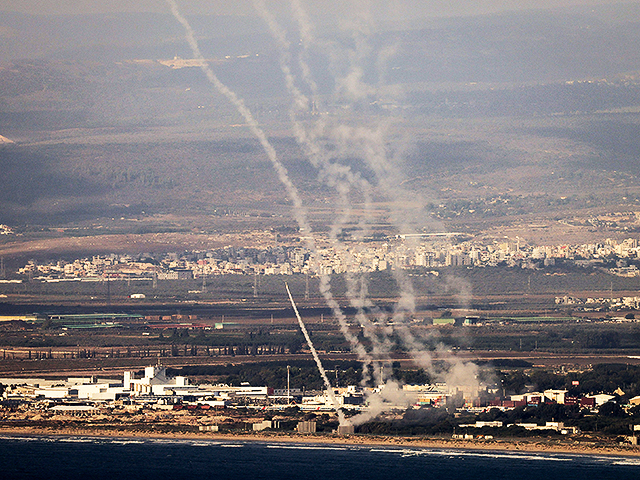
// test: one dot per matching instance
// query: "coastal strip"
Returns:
(534, 445)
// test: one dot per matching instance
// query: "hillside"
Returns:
(483, 121)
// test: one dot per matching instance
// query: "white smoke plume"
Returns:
(323, 373)
(370, 144)
(332, 137)
(365, 142)
(464, 376)
(338, 176)
(389, 394)
(299, 211)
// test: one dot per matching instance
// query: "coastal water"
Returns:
(140, 459)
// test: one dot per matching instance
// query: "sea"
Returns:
(75, 457)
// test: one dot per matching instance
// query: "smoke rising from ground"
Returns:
(371, 145)
(299, 211)
(327, 138)
(323, 373)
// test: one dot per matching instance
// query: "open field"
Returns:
(114, 368)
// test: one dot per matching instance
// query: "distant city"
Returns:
(404, 252)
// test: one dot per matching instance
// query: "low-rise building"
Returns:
(306, 427)
(154, 382)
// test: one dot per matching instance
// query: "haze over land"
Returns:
(491, 116)
(410, 166)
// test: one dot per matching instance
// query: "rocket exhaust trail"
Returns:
(299, 211)
(323, 374)
(338, 176)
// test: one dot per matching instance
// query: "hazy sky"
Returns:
(385, 7)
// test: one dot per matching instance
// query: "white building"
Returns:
(52, 392)
(154, 382)
(601, 398)
(555, 395)
(101, 391)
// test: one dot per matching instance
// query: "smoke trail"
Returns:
(338, 176)
(305, 28)
(369, 142)
(353, 88)
(323, 374)
(331, 171)
(381, 345)
(300, 213)
(299, 210)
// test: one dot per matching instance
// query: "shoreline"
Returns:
(501, 445)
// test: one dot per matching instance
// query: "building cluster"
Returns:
(155, 386)
(515, 253)
(157, 390)
(561, 397)
(405, 251)
(555, 426)
(596, 304)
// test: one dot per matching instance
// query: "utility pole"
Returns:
(255, 285)
(306, 286)
(611, 291)
(108, 292)
(204, 282)
(288, 385)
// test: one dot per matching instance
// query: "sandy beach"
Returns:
(533, 445)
